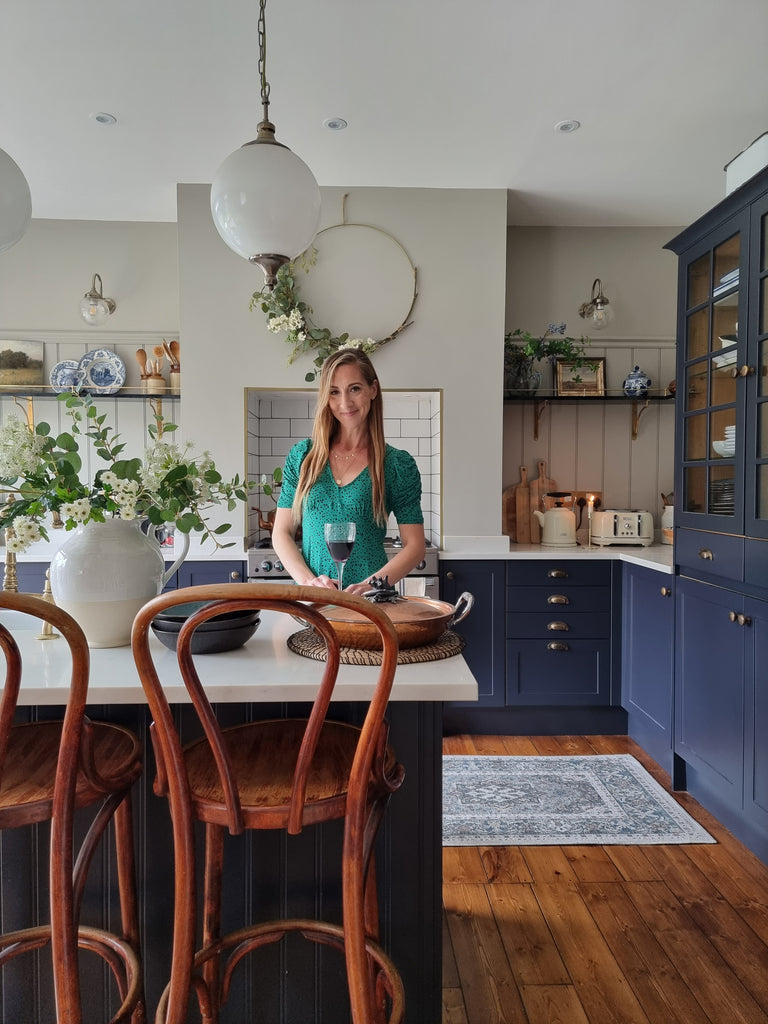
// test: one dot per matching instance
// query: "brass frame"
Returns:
(592, 384)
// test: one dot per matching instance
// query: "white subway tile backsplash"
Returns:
(276, 421)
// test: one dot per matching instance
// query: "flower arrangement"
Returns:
(170, 485)
(552, 344)
(285, 311)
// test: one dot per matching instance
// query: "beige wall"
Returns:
(474, 278)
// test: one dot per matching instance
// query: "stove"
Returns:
(263, 563)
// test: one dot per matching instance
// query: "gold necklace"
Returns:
(347, 459)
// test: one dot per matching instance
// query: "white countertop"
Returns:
(655, 556)
(261, 671)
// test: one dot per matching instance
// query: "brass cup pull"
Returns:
(706, 554)
(557, 645)
(557, 574)
(557, 599)
(558, 627)
(666, 591)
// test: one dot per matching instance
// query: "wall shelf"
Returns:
(540, 402)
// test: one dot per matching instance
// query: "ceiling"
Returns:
(436, 94)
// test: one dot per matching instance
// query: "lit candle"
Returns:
(591, 504)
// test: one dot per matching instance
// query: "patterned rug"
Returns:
(604, 799)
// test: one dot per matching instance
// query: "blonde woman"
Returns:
(346, 472)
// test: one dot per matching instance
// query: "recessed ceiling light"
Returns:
(100, 117)
(335, 124)
(566, 127)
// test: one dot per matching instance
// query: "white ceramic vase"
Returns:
(104, 572)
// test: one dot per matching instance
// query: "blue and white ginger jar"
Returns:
(637, 384)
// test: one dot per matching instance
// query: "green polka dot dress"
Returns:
(327, 502)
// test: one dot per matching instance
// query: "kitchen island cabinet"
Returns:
(648, 660)
(267, 873)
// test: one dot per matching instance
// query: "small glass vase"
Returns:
(521, 380)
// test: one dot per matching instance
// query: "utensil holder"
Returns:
(175, 380)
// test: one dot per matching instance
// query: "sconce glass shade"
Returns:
(94, 308)
(596, 311)
(601, 316)
(265, 204)
(15, 202)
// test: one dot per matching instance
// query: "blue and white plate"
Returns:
(103, 372)
(65, 375)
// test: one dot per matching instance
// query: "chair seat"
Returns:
(263, 758)
(29, 773)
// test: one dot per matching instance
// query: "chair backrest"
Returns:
(63, 922)
(300, 602)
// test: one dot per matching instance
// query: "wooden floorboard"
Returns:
(603, 934)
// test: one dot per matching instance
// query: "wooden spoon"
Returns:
(167, 350)
(175, 351)
(141, 359)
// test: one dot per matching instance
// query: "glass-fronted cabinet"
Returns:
(712, 406)
(722, 379)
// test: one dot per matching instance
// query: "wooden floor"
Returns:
(603, 934)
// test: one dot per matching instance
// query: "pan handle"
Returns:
(466, 600)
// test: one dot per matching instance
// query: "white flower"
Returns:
(78, 510)
(15, 545)
(278, 323)
(295, 319)
(19, 449)
(25, 531)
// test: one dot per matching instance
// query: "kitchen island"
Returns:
(270, 874)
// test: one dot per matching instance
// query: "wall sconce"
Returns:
(15, 202)
(94, 308)
(596, 310)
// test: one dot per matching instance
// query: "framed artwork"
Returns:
(21, 363)
(585, 381)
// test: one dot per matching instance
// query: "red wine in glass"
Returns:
(340, 538)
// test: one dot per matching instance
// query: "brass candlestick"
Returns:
(47, 595)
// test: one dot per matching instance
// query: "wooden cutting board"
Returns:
(523, 508)
(538, 488)
(509, 512)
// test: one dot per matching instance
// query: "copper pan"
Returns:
(418, 621)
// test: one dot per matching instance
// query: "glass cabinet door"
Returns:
(711, 392)
(756, 467)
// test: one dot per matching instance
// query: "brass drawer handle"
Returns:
(666, 591)
(562, 627)
(557, 645)
(557, 599)
(744, 620)
(732, 616)
(234, 576)
(557, 574)
(706, 554)
(449, 575)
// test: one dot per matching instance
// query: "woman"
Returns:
(346, 472)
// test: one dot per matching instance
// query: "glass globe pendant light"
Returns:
(15, 202)
(265, 201)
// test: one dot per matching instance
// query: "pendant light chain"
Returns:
(263, 59)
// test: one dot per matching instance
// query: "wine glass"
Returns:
(340, 538)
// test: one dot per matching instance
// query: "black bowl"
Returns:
(225, 632)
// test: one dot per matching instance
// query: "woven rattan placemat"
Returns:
(309, 645)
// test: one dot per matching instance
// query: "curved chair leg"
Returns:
(214, 869)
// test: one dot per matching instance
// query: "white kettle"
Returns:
(558, 527)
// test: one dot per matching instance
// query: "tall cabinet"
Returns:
(721, 514)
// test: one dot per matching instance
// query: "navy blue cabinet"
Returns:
(755, 629)
(558, 631)
(483, 628)
(195, 574)
(648, 659)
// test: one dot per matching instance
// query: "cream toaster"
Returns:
(613, 526)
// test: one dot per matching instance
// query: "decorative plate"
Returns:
(103, 372)
(65, 375)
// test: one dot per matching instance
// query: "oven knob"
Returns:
(279, 567)
(266, 566)
(422, 564)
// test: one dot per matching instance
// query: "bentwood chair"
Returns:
(48, 771)
(279, 774)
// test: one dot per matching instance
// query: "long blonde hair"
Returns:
(326, 428)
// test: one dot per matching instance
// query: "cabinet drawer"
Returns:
(710, 554)
(558, 672)
(558, 601)
(558, 572)
(558, 623)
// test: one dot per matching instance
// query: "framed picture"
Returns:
(21, 363)
(585, 381)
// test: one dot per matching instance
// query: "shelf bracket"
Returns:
(539, 405)
(29, 410)
(157, 408)
(637, 411)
